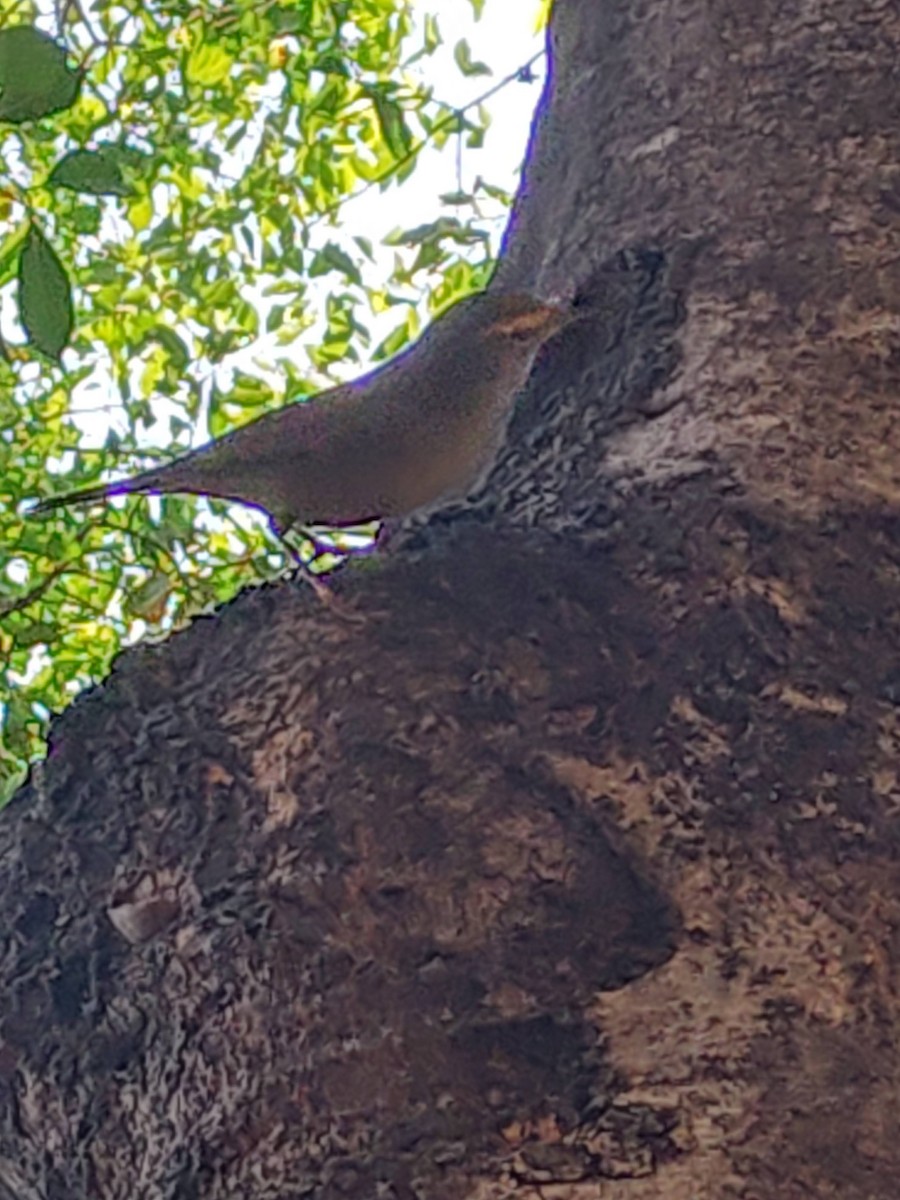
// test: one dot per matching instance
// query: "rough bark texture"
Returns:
(570, 867)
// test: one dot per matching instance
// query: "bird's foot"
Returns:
(338, 605)
(323, 543)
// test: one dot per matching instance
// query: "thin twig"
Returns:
(22, 602)
(416, 148)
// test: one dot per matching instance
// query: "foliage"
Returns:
(172, 176)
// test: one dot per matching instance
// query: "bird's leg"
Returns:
(321, 546)
(386, 531)
(303, 571)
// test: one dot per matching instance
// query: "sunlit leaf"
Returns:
(10, 249)
(433, 37)
(394, 129)
(462, 56)
(208, 65)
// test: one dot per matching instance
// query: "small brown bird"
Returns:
(421, 429)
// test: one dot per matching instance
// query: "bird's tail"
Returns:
(147, 481)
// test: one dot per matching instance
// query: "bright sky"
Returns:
(505, 39)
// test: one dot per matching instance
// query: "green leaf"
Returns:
(38, 633)
(45, 298)
(208, 65)
(392, 122)
(396, 340)
(434, 232)
(462, 54)
(86, 218)
(168, 338)
(96, 171)
(10, 250)
(149, 599)
(34, 77)
(457, 199)
(433, 37)
(249, 391)
(332, 258)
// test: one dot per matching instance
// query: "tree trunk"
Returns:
(568, 866)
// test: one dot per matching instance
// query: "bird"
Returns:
(419, 430)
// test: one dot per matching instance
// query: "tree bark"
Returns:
(568, 867)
